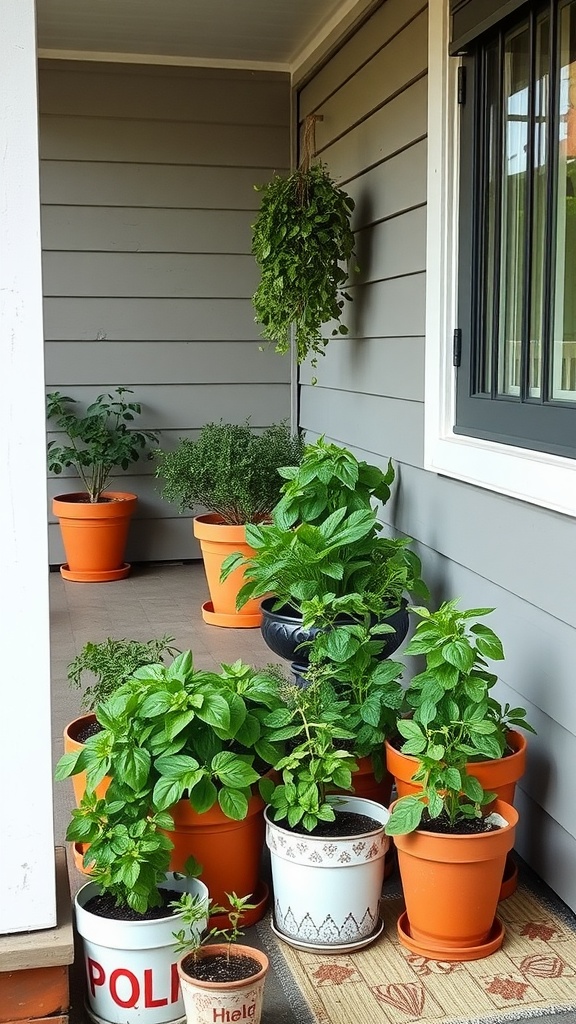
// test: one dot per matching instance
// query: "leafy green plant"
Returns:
(169, 732)
(323, 543)
(454, 719)
(313, 724)
(112, 662)
(100, 439)
(230, 469)
(193, 910)
(302, 242)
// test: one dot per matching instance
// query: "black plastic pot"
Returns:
(283, 632)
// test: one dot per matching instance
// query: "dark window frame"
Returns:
(523, 421)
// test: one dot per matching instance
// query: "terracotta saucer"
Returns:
(95, 577)
(239, 621)
(492, 943)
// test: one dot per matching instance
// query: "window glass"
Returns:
(563, 352)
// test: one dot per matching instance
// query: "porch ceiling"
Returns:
(270, 33)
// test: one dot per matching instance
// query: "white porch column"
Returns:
(27, 881)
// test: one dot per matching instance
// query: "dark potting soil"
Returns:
(219, 968)
(347, 823)
(464, 827)
(104, 905)
(86, 731)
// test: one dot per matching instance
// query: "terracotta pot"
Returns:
(94, 535)
(208, 1001)
(72, 744)
(451, 886)
(498, 776)
(229, 851)
(217, 541)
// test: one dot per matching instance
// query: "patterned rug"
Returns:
(533, 974)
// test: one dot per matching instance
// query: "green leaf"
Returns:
(233, 803)
(405, 817)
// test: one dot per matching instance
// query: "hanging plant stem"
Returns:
(303, 243)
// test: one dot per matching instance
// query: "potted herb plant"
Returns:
(303, 244)
(323, 555)
(232, 470)
(189, 745)
(451, 853)
(327, 849)
(220, 980)
(452, 697)
(94, 523)
(125, 914)
(108, 663)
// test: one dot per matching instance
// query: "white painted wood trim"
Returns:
(107, 57)
(535, 477)
(27, 867)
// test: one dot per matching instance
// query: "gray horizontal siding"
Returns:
(106, 229)
(77, 183)
(367, 364)
(228, 145)
(149, 275)
(145, 319)
(147, 184)
(116, 92)
(172, 362)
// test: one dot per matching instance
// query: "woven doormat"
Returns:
(533, 974)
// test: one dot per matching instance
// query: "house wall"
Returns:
(487, 549)
(147, 183)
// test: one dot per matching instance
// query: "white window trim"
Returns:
(536, 477)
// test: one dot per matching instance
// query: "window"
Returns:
(516, 301)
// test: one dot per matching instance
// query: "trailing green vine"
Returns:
(303, 243)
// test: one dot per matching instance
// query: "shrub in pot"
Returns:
(327, 849)
(220, 980)
(231, 470)
(323, 555)
(190, 745)
(94, 523)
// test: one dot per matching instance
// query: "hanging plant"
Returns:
(302, 242)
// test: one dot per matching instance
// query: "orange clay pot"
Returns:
(71, 744)
(229, 851)
(94, 535)
(217, 541)
(498, 776)
(451, 886)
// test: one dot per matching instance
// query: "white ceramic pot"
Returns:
(131, 972)
(209, 1002)
(327, 890)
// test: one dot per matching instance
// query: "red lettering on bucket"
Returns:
(149, 1000)
(95, 973)
(122, 972)
(175, 985)
(97, 978)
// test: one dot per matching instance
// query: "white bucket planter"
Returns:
(208, 1002)
(131, 966)
(327, 890)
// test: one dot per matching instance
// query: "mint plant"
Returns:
(100, 439)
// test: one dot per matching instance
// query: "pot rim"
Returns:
(236, 949)
(310, 837)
